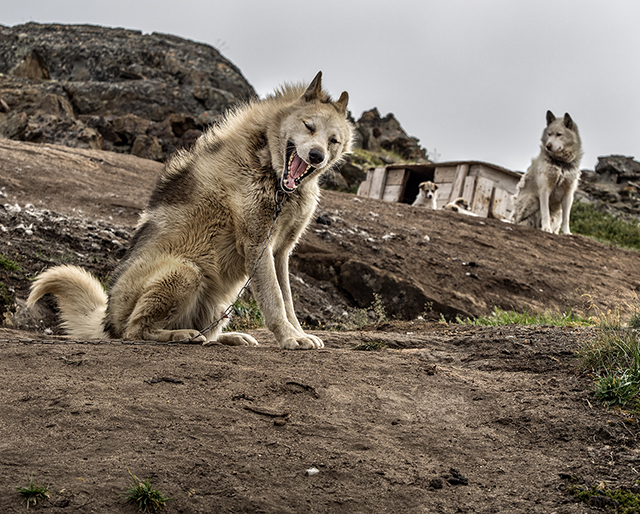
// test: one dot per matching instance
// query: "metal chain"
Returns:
(279, 200)
(19, 340)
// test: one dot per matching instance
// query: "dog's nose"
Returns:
(316, 156)
(549, 146)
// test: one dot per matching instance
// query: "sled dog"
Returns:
(459, 205)
(545, 192)
(426, 195)
(206, 225)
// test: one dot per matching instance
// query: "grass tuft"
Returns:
(613, 357)
(144, 496)
(355, 319)
(621, 501)
(33, 493)
(8, 264)
(370, 346)
(587, 220)
(246, 315)
(501, 317)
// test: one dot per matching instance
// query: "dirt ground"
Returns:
(447, 418)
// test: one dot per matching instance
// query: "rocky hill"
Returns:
(111, 89)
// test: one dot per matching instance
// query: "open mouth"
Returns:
(295, 169)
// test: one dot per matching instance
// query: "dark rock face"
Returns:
(386, 133)
(614, 185)
(618, 168)
(111, 89)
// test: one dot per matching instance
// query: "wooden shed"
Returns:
(488, 189)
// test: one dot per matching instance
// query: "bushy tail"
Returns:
(81, 300)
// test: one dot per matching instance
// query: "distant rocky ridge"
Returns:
(143, 94)
(613, 186)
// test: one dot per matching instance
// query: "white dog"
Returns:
(545, 192)
(426, 196)
(459, 205)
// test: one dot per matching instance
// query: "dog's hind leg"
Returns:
(169, 299)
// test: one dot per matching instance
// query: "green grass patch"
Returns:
(144, 496)
(501, 317)
(587, 220)
(6, 298)
(370, 346)
(355, 319)
(33, 493)
(365, 158)
(8, 264)
(246, 315)
(613, 357)
(621, 501)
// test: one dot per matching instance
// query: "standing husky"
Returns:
(545, 192)
(426, 195)
(206, 229)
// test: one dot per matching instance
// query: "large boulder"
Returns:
(614, 186)
(376, 133)
(617, 168)
(112, 89)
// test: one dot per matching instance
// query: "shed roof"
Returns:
(432, 165)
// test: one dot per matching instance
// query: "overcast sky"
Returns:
(472, 79)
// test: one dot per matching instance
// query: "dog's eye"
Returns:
(309, 127)
(333, 141)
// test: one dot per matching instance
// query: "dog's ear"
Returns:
(314, 89)
(550, 118)
(342, 102)
(568, 122)
(435, 187)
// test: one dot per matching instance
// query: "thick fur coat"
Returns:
(545, 192)
(206, 225)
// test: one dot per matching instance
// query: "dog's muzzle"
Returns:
(296, 168)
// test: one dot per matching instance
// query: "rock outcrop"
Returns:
(376, 134)
(111, 89)
(614, 185)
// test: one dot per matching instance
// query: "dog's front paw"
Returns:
(187, 336)
(301, 342)
(547, 229)
(234, 339)
(317, 342)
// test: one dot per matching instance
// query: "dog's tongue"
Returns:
(296, 170)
